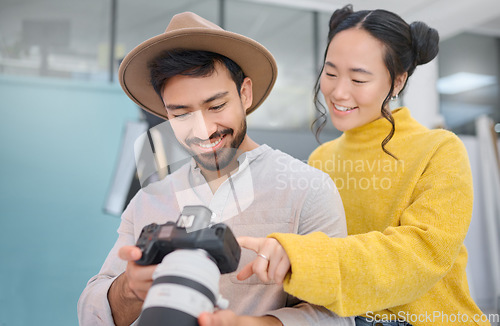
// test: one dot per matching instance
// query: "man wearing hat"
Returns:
(204, 81)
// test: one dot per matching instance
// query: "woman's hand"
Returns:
(271, 263)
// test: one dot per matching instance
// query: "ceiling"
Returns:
(274, 26)
(449, 17)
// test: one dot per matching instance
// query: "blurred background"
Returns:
(67, 130)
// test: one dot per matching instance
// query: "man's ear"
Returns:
(399, 83)
(246, 93)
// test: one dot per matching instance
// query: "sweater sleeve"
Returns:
(379, 270)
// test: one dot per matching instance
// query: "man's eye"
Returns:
(217, 107)
(182, 116)
(359, 81)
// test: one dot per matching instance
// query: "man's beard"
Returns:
(220, 159)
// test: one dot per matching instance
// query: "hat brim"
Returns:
(254, 59)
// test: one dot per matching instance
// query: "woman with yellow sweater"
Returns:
(407, 190)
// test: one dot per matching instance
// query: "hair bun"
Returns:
(425, 42)
(339, 15)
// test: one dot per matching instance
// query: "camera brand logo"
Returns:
(185, 221)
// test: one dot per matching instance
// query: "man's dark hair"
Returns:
(190, 63)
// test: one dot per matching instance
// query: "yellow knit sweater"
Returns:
(407, 220)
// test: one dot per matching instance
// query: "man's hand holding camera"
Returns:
(129, 290)
(229, 318)
(136, 281)
(211, 250)
(139, 278)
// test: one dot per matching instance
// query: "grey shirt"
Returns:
(270, 192)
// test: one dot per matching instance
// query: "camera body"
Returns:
(191, 231)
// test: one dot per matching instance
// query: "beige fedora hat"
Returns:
(191, 32)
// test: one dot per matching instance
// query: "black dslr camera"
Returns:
(191, 255)
(191, 231)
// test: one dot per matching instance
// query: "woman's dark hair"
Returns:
(190, 63)
(405, 46)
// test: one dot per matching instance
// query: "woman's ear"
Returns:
(246, 93)
(399, 83)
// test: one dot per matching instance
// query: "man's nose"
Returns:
(203, 127)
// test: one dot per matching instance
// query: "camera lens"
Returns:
(185, 284)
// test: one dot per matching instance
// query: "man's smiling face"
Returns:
(208, 115)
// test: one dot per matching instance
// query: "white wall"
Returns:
(421, 95)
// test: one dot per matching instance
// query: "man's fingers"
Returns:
(219, 318)
(139, 278)
(205, 319)
(130, 253)
(140, 273)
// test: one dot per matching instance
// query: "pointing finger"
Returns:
(245, 272)
(251, 243)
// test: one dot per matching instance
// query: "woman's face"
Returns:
(354, 80)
